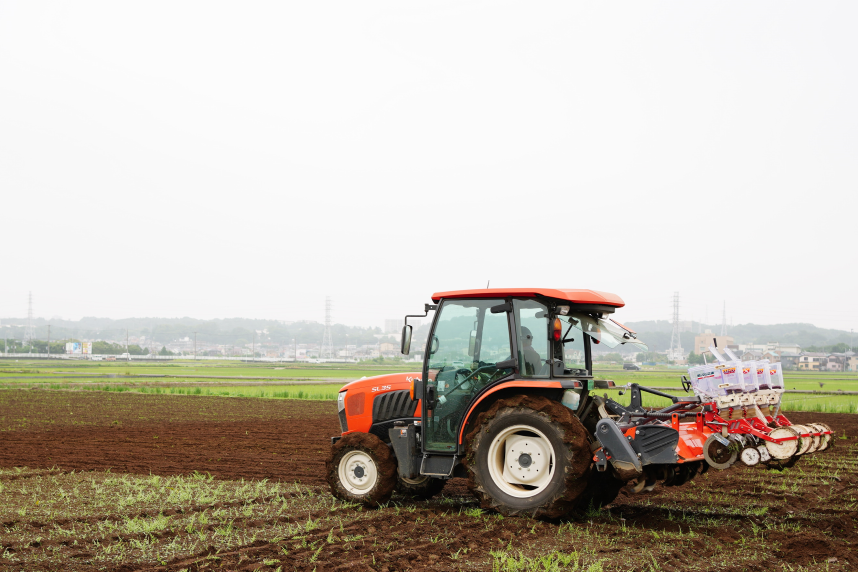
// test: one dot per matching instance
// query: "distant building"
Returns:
(812, 361)
(704, 340)
(393, 326)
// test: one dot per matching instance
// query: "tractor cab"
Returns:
(477, 343)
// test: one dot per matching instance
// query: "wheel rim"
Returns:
(357, 472)
(418, 481)
(750, 456)
(521, 461)
(819, 440)
(806, 442)
(826, 439)
(717, 454)
(785, 450)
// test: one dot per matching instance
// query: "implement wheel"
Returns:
(361, 469)
(528, 455)
(422, 487)
(717, 454)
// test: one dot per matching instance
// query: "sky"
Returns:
(212, 160)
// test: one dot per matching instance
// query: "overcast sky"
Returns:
(247, 159)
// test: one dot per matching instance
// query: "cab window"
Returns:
(532, 334)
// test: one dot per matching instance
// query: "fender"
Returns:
(526, 383)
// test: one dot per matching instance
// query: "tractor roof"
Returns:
(573, 296)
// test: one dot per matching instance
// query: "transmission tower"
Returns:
(724, 320)
(29, 334)
(675, 343)
(327, 341)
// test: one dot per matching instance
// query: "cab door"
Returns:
(466, 343)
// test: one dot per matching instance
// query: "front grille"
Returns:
(393, 405)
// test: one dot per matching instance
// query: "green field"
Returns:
(191, 370)
(288, 381)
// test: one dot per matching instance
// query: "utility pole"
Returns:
(49, 340)
(127, 355)
(675, 343)
(195, 345)
(296, 350)
(253, 347)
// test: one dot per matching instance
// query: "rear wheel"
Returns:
(361, 469)
(528, 455)
(422, 487)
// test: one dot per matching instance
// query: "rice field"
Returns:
(298, 380)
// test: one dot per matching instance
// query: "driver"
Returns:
(532, 361)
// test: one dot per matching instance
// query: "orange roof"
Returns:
(574, 296)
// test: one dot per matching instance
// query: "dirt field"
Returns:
(110, 484)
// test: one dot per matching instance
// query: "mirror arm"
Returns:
(426, 309)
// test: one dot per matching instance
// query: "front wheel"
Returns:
(528, 455)
(361, 469)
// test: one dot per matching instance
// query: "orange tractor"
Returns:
(506, 399)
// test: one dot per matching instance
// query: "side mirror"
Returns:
(472, 343)
(406, 339)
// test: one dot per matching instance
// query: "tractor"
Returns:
(506, 399)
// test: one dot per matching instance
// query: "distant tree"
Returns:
(165, 352)
(695, 359)
(838, 348)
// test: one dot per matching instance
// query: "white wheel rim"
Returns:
(783, 450)
(417, 481)
(824, 440)
(817, 441)
(521, 461)
(357, 472)
(750, 456)
(806, 442)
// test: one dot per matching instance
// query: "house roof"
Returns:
(568, 295)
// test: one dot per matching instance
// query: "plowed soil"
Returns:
(168, 435)
(739, 519)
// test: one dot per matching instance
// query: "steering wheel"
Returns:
(472, 374)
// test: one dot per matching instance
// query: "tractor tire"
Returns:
(528, 455)
(361, 469)
(422, 487)
(602, 489)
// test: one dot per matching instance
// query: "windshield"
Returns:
(604, 331)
